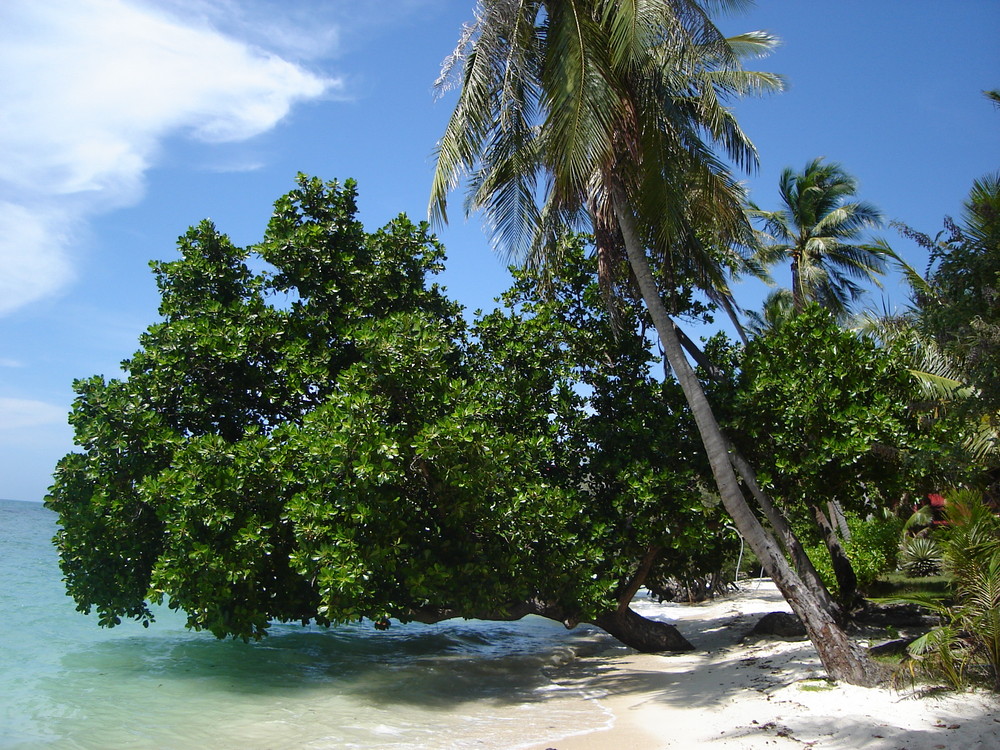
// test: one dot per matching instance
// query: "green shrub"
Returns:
(920, 557)
(872, 550)
(873, 547)
(966, 648)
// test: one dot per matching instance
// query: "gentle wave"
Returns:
(460, 684)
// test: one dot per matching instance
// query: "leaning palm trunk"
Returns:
(563, 104)
(842, 659)
(803, 565)
(790, 543)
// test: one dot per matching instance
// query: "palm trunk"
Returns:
(798, 303)
(842, 659)
(803, 565)
(838, 520)
(786, 537)
(727, 305)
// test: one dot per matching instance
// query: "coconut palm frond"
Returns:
(817, 229)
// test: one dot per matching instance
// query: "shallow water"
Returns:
(66, 683)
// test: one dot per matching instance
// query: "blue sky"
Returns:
(123, 122)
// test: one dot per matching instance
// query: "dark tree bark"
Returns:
(641, 633)
(838, 520)
(645, 565)
(843, 570)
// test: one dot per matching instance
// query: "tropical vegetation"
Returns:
(326, 439)
(604, 115)
(965, 648)
(819, 231)
(313, 431)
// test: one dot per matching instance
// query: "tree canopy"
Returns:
(825, 414)
(312, 433)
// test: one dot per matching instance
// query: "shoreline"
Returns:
(761, 693)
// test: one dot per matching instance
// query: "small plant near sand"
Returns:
(965, 648)
(920, 557)
(816, 686)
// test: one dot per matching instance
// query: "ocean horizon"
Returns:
(68, 683)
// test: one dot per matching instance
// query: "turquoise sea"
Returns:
(66, 683)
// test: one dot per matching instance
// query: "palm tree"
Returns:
(949, 333)
(602, 114)
(817, 230)
(775, 312)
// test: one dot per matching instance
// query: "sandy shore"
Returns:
(757, 694)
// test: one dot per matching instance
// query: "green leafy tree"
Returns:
(603, 115)
(826, 416)
(629, 443)
(178, 490)
(818, 231)
(322, 439)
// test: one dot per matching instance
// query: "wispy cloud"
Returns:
(90, 89)
(19, 413)
(33, 257)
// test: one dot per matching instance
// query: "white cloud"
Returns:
(33, 257)
(19, 413)
(89, 91)
(305, 30)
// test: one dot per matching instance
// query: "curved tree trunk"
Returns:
(630, 589)
(727, 305)
(842, 659)
(641, 633)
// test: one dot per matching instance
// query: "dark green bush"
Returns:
(872, 550)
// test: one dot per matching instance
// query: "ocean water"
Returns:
(66, 683)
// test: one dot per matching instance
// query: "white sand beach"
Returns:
(758, 694)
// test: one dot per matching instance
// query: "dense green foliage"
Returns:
(321, 439)
(872, 549)
(965, 648)
(197, 477)
(630, 441)
(960, 305)
(824, 415)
